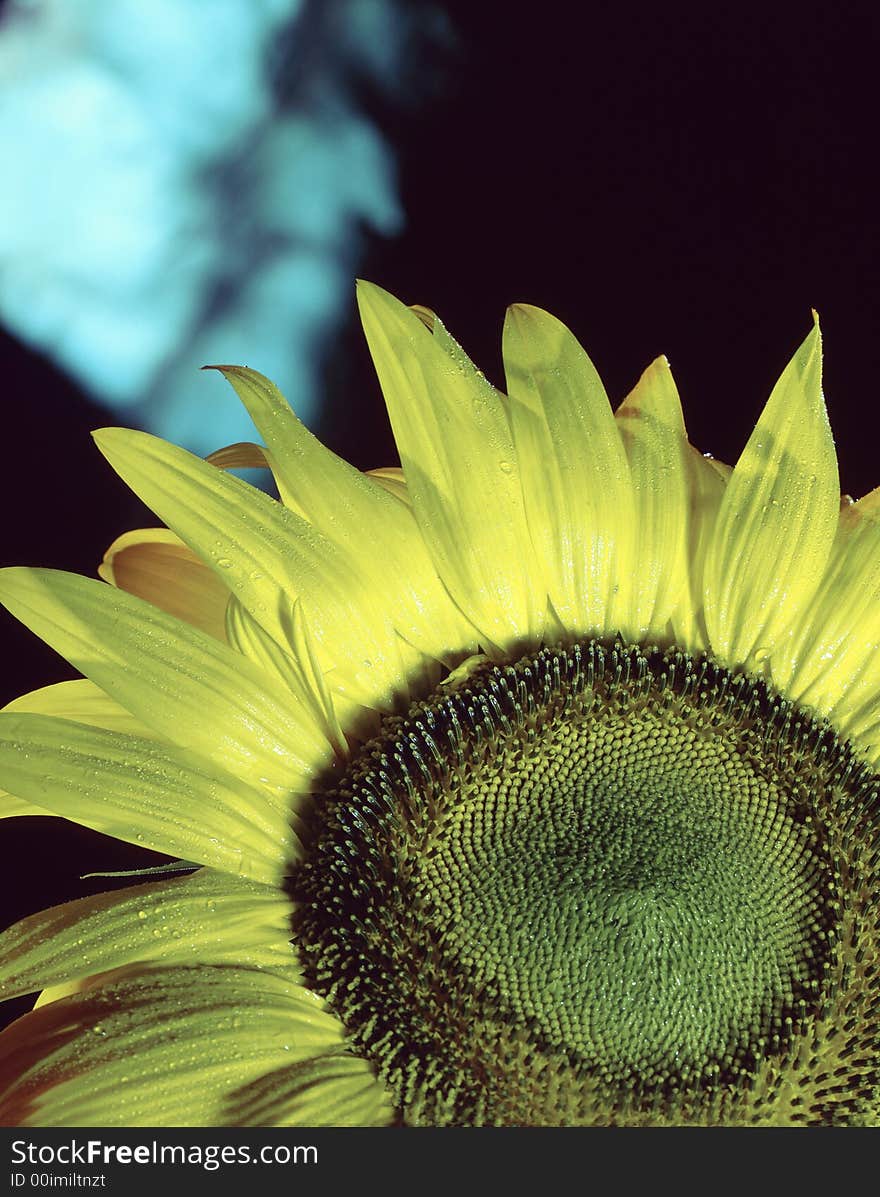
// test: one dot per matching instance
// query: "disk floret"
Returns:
(602, 884)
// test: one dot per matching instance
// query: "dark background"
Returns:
(683, 180)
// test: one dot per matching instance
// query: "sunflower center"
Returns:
(631, 902)
(596, 883)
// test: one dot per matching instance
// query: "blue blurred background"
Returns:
(191, 180)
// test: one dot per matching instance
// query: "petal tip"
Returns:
(527, 314)
(809, 358)
(107, 438)
(521, 310)
(237, 371)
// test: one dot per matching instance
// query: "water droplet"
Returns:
(142, 914)
(224, 563)
(505, 467)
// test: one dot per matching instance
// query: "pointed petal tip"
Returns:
(385, 318)
(658, 367)
(113, 440)
(529, 313)
(228, 368)
(520, 309)
(814, 336)
(655, 395)
(537, 333)
(364, 287)
(375, 302)
(105, 437)
(367, 292)
(524, 320)
(809, 358)
(236, 375)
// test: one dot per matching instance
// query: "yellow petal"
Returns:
(80, 700)
(209, 916)
(180, 682)
(300, 673)
(706, 480)
(576, 482)
(156, 565)
(154, 795)
(397, 577)
(336, 1089)
(461, 470)
(775, 526)
(268, 556)
(16, 808)
(164, 1047)
(837, 646)
(306, 654)
(652, 427)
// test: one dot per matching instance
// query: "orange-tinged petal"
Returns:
(155, 564)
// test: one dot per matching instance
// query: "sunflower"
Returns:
(533, 783)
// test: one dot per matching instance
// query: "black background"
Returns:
(688, 180)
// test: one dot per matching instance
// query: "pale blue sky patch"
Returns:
(168, 208)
